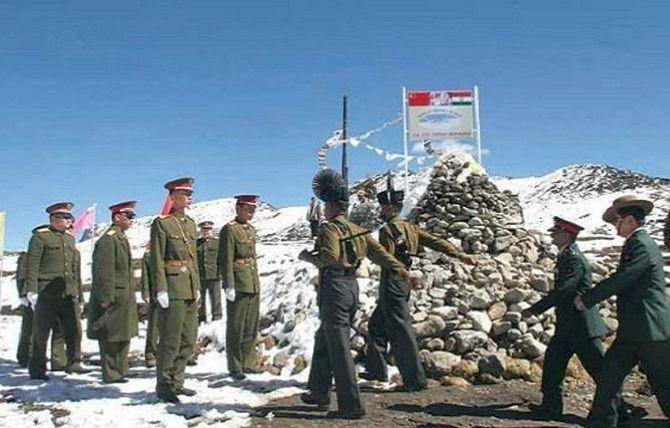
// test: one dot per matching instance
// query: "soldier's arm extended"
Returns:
(377, 254)
(227, 257)
(627, 274)
(569, 276)
(103, 270)
(328, 245)
(157, 264)
(34, 257)
(438, 244)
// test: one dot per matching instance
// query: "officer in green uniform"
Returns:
(339, 249)
(237, 264)
(577, 332)
(174, 270)
(390, 320)
(149, 297)
(112, 316)
(58, 358)
(208, 265)
(643, 312)
(54, 289)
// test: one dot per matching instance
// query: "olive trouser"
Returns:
(390, 323)
(177, 334)
(213, 288)
(241, 331)
(151, 344)
(114, 359)
(51, 309)
(331, 357)
(620, 359)
(58, 360)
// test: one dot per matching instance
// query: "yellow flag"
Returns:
(2, 232)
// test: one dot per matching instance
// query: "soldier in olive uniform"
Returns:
(112, 317)
(149, 297)
(210, 278)
(576, 332)
(58, 358)
(643, 312)
(390, 320)
(54, 289)
(174, 270)
(237, 264)
(339, 249)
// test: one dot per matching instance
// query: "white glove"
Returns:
(24, 302)
(230, 294)
(32, 298)
(163, 299)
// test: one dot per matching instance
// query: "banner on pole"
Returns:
(440, 115)
(2, 233)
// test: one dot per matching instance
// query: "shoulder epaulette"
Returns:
(110, 232)
(44, 229)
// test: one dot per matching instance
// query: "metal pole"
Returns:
(478, 127)
(345, 168)
(404, 138)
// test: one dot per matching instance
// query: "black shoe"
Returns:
(192, 362)
(346, 414)
(186, 391)
(76, 369)
(371, 376)
(252, 370)
(543, 412)
(151, 362)
(238, 376)
(168, 397)
(309, 398)
(42, 376)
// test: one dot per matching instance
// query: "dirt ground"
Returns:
(500, 405)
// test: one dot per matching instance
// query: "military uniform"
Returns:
(58, 358)
(53, 273)
(643, 312)
(149, 295)
(210, 278)
(112, 316)
(237, 264)
(174, 270)
(339, 249)
(666, 232)
(390, 320)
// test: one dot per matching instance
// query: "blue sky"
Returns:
(105, 101)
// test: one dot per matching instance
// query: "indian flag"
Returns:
(440, 98)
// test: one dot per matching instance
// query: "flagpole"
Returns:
(404, 138)
(478, 127)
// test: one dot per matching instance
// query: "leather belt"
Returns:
(183, 264)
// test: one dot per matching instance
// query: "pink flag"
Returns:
(85, 221)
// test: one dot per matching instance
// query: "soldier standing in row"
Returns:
(237, 264)
(149, 297)
(643, 312)
(112, 317)
(208, 266)
(390, 321)
(54, 289)
(340, 247)
(58, 358)
(174, 270)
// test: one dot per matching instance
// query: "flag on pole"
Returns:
(85, 221)
(441, 115)
(2, 233)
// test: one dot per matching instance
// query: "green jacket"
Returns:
(173, 264)
(53, 264)
(572, 278)
(21, 274)
(146, 284)
(112, 285)
(237, 257)
(639, 284)
(208, 258)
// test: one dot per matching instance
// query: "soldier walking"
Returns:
(643, 312)
(208, 266)
(174, 270)
(390, 320)
(54, 289)
(112, 318)
(339, 249)
(149, 297)
(237, 264)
